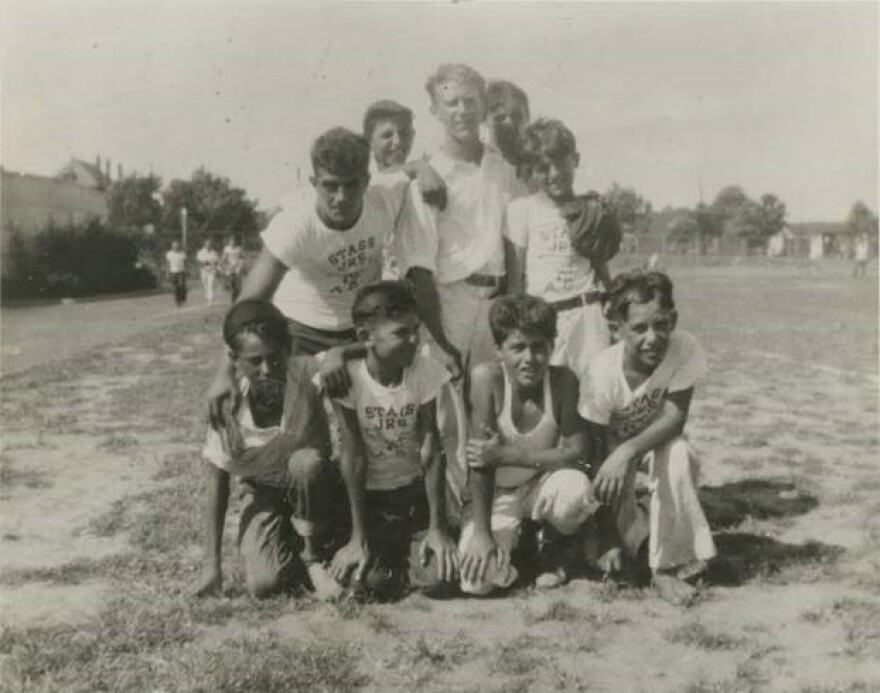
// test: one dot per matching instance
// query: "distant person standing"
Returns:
(209, 261)
(862, 253)
(176, 260)
(232, 264)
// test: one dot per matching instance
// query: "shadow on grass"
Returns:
(743, 557)
(762, 499)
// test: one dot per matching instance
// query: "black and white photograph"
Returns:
(454, 347)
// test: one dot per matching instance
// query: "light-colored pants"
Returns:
(563, 499)
(676, 527)
(581, 333)
(208, 276)
(465, 318)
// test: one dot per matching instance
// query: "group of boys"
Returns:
(438, 314)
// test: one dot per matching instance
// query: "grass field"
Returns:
(101, 521)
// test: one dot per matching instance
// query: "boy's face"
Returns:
(555, 175)
(460, 108)
(339, 197)
(507, 117)
(391, 142)
(525, 357)
(264, 364)
(645, 334)
(394, 341)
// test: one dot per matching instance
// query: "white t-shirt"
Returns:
(397, 184)
(215, 451)
(466, 237)
(327, 267)
(208, 258)
(176, 261)
(554, 271)
(388, 419)
(606, 398)
(233, 259)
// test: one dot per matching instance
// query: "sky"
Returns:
(676, 100)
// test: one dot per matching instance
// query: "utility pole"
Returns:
(183, 215)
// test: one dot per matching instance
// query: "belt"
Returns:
(487, 280)
(583, 299)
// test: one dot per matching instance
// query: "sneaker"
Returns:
(323, 584)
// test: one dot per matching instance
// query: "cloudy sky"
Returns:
(665, 97)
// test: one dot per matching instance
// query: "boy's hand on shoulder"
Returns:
(231, 435)
(211, 584)
(611, 477)
(450, 358)
(479, 554)
(351, 562)
(439, 543)
(334, 373)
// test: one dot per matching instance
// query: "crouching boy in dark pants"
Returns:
(277, 444)
(391, 461)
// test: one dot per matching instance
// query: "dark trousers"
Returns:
(178, 282)
(397, 522)
(274, 519)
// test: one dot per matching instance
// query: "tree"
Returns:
(683, 231)
(213, 205)
(862, 220)
(133, 203)
(632, 210)
(709, 226)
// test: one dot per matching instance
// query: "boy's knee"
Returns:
(306, 466)
(572, 500)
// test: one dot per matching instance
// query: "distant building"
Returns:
(78, 193)
(818, 239)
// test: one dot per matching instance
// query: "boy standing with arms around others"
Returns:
(635, 397)
(544, 262)
(525, 449)
(277, 444)
(391, 462)
(455, 258)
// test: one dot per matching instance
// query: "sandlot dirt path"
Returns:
(96, 446)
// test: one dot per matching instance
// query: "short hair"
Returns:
(547, 137)
(383, 299)
(385, 110)
(455, 72)
(526, 313)
(341, 151)
(638, 286)
(258, 317)
(500, 90)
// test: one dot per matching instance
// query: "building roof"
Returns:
(813, 228)
(85, 174)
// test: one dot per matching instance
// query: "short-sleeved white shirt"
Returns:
(554, 271)
(215, 452)
(327, 267)
(176, 261)
(208, 258)
(605, 395)
(466, 237)
(388, 419)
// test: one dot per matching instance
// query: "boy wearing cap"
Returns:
(390, 461)
(277, 444)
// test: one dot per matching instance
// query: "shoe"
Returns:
(551, 579)
(323, 584)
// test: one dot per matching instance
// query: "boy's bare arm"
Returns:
(264, 277)
(431, 184)
(668, 424)
(428, 304)
(215, 516)
(437, 541)
(572, 449)
(354, 557)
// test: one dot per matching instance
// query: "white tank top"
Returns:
(544, 436)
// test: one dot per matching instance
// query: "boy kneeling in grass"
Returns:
(525, 449)
(391, 462)
(635, 397)
(277, 444)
